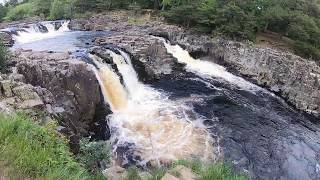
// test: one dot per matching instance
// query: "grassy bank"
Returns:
(31, 151)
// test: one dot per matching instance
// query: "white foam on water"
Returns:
(33, 33)
(207, 69)
(160, 129)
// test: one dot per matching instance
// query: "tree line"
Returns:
(298, 20)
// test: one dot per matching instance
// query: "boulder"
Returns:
(148, 54)
(72, 83)
(6, 38)
(6, 86)
(114, 173)
(28, 96)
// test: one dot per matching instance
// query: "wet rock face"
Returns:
(72, 83)
(6, 38)
(290, 76)
(294, 78)
(15, 94)
(259, 134)
(149, 55)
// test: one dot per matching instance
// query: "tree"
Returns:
(60, 9)
(3, 12)
(42, 7)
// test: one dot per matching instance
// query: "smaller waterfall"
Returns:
(207, 69)
(112, 89)
(41, 31)
(160, 130)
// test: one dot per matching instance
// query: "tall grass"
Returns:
(32, 151)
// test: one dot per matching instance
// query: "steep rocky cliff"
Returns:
(290, 76)
(73, 85)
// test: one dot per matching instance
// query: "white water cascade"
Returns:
(160, 129)
(35, 33)
(207, 69)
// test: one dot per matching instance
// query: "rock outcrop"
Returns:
(72, 83)
(16, 95)
(291, 77)
(148, 54)
(6, 38)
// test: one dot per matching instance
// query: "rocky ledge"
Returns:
(291, 77)
(148, 54)
(295, 79)
(6, 38)
(66, 87)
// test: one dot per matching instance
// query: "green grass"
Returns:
(32, 151)
(217, 171)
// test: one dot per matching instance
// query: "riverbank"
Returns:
(293, 78)
(254, 130)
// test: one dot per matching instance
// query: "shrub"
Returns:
(60, 9)
(3, 12)
(307, 50)
(4, 56)
(19, 12)
(94, 155)
(31, 151)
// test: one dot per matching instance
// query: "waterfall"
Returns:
(160, 129)
(111, 87)
(207, 69)
(41, 31)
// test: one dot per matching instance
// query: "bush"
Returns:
(94, 155)
(4, 56)
(60, 9)
(19, 12)
(34, 152)
(307, 50)
(3, 12)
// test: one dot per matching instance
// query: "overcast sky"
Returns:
(1, 1)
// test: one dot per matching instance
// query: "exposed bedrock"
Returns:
(295, 79)
(73, 84)
(149, 55)
(6, 38)
(290, 76)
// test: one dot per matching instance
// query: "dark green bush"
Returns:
(94, 155)
(307, 50)
(3, 12)
(60, 9)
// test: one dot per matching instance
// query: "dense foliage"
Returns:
(243, 19)
(95, 155)
(298, 20)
